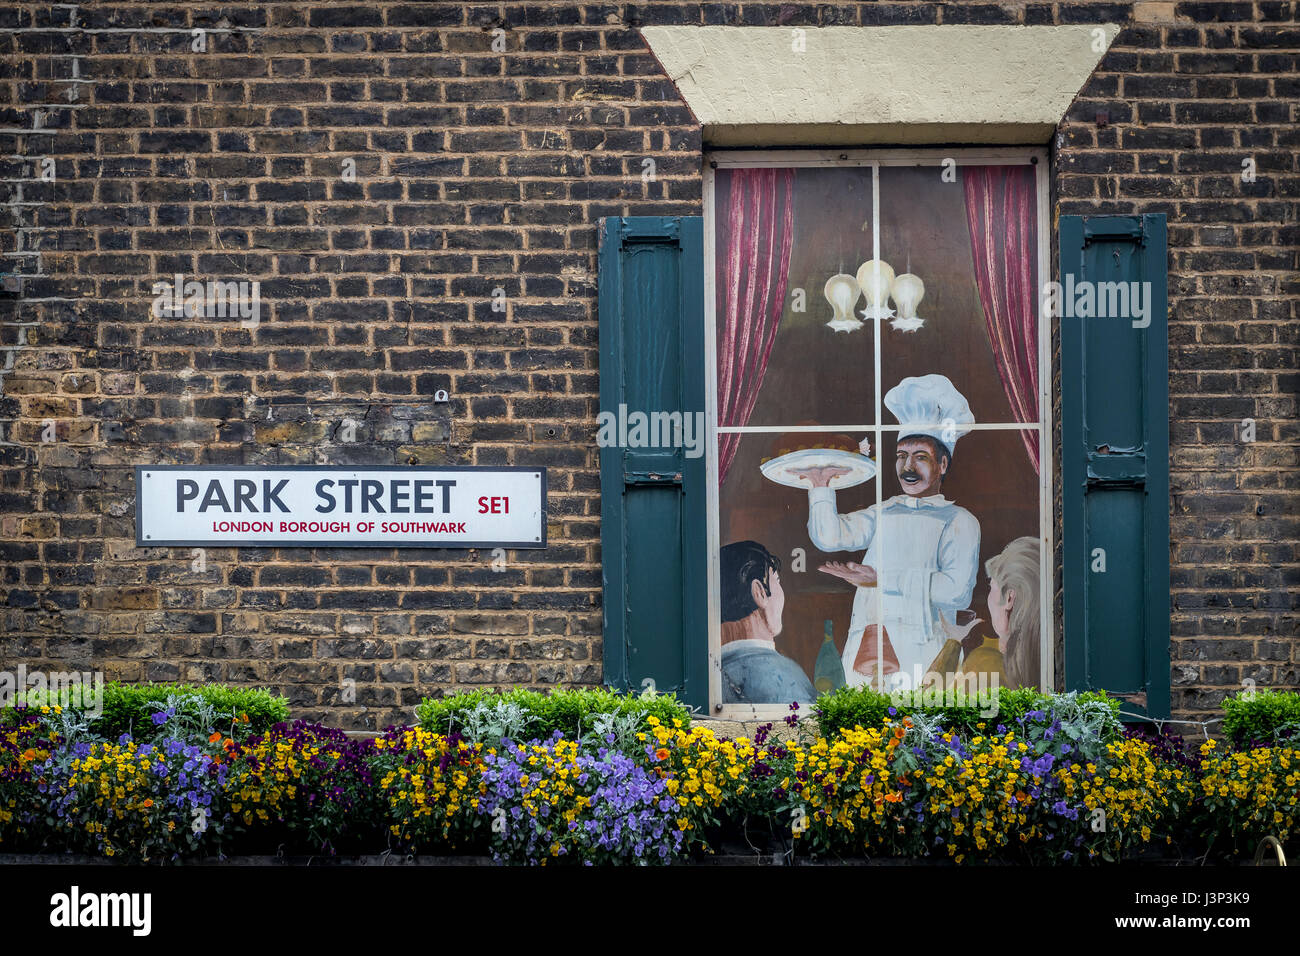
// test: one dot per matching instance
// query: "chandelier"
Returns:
(877, 283)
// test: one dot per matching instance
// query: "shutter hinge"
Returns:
(652, 478)
(657, 230)
(1115, 227)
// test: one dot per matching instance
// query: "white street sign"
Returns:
(325, 506)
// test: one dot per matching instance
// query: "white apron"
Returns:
(926, 555)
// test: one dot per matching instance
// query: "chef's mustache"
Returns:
(910, 474)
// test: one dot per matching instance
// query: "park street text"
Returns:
(402, 495)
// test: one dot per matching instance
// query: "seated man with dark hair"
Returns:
(753, 671)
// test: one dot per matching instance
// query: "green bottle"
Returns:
(828, 674)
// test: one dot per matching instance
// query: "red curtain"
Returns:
(754, 245)
(1001, 210)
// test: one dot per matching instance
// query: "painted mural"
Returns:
(879, 431)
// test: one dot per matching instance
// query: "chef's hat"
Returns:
(930, 405)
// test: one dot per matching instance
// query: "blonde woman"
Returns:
(1015, 653)
(1013, 609)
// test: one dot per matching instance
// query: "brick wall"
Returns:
(1188, 93)
(479, 169)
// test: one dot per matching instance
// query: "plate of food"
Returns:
(795, 451)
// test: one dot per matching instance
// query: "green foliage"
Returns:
(1262, 718)
(1070, 726)
(481, 715)
(129, 708)
(492, 722)
(1091, 713)
(849, 707)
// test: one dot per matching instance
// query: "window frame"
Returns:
(874, 158)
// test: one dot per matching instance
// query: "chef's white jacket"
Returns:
(926, 555)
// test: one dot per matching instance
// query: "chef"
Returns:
(921, 550)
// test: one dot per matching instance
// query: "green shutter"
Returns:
(1115, 464)
(653, 516)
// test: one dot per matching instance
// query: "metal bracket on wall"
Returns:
(1115, 227)
(651, 478)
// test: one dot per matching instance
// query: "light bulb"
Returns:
(842, 293)
(907, 292)
(875, 279)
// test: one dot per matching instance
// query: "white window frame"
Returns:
(874, 159)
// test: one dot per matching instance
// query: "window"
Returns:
(885, 302)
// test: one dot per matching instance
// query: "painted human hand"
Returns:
(957, 632)
(861, 575)
(821, 477)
